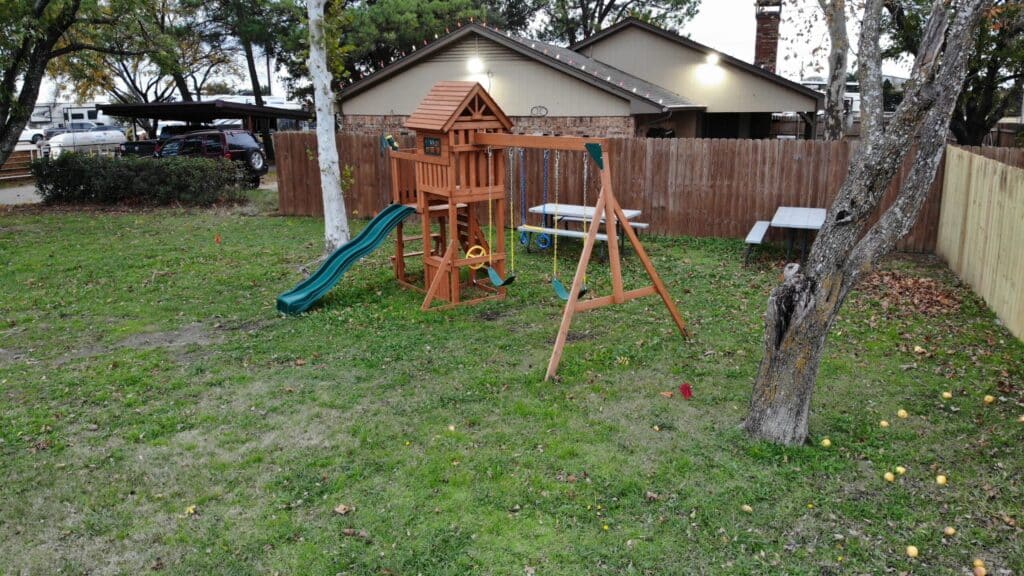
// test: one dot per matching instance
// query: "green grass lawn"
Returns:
(157, 414)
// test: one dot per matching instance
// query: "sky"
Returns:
(728, 26)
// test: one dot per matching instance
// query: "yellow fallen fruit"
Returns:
(901, 470)
(889, 477)
(825, 443)
(980, 571)
(989, 399)
(884, 423)
(902, 413)
(949, 531)
(746, 508)
(979, 563)
(912, 551)
(940, 480)
(947, 395)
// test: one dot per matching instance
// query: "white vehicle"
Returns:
(99, 139)
(86, 112)
(33, 135)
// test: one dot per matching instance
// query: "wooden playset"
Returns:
(456, 173)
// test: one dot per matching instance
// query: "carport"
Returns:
(259, 119)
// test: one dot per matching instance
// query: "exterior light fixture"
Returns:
(712, 58)
(475, 65)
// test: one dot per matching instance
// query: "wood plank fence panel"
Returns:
(980, 236)
(695, 187)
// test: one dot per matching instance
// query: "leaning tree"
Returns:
(803, 308)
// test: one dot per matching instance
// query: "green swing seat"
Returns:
(562, 292)
(497, 281)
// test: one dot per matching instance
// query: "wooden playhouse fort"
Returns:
(456, 174)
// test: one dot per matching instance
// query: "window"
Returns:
(190, 146)
(242, 140)
(78, 116)
(212, 144)
(171, 148)
(92, 114)
(432, 146)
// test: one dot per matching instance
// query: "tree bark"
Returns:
(803, 308)
(336, 230)
(182, 85)
(835, 113)
(254, 79)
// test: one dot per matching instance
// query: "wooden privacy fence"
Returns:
(981, 231)
(690, 187)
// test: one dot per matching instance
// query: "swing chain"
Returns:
(490, 215)
(554, 266)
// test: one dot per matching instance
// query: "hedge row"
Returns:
(91, 179)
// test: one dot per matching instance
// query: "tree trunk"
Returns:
(182, 85)
(803, 308)
(795, 333)
(14, 116)
(254, 79)
(835, 113)
(336, 230)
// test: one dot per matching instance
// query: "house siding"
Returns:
(722, 88)
(520, 86)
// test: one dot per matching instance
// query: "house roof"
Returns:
(446, 103)
(659, 95)
(204, 111)
(697, 46)
(597, 74)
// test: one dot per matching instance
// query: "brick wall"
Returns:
(766, 43)
(597, 126)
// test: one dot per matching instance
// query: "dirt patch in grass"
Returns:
(574, 337)
(11, 356)
(192, 334)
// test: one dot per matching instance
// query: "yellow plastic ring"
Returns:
(476, 251)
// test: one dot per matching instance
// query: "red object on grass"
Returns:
(685, 390)
(216, 239)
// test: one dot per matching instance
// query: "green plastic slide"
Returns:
(312, 289)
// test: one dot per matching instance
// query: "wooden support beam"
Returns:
(440, 274)
(608, 206)
(628, 295)
(574, 291)
(540, 142)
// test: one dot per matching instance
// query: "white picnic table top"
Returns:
(577, 212)
(799, 218)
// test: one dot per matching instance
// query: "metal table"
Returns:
(795, 218)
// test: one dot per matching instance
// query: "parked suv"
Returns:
(237, 145)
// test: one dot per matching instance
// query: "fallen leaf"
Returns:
(686, 390)
(352, 532)
(300, 362)
(666, 394)
(343, 509)
(651, 496)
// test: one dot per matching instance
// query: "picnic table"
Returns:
(555, 213)
(795, 218)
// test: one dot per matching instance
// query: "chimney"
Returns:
(766, 46)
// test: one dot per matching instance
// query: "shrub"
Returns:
(84, 178)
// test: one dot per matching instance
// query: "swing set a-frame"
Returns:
(460, 136)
